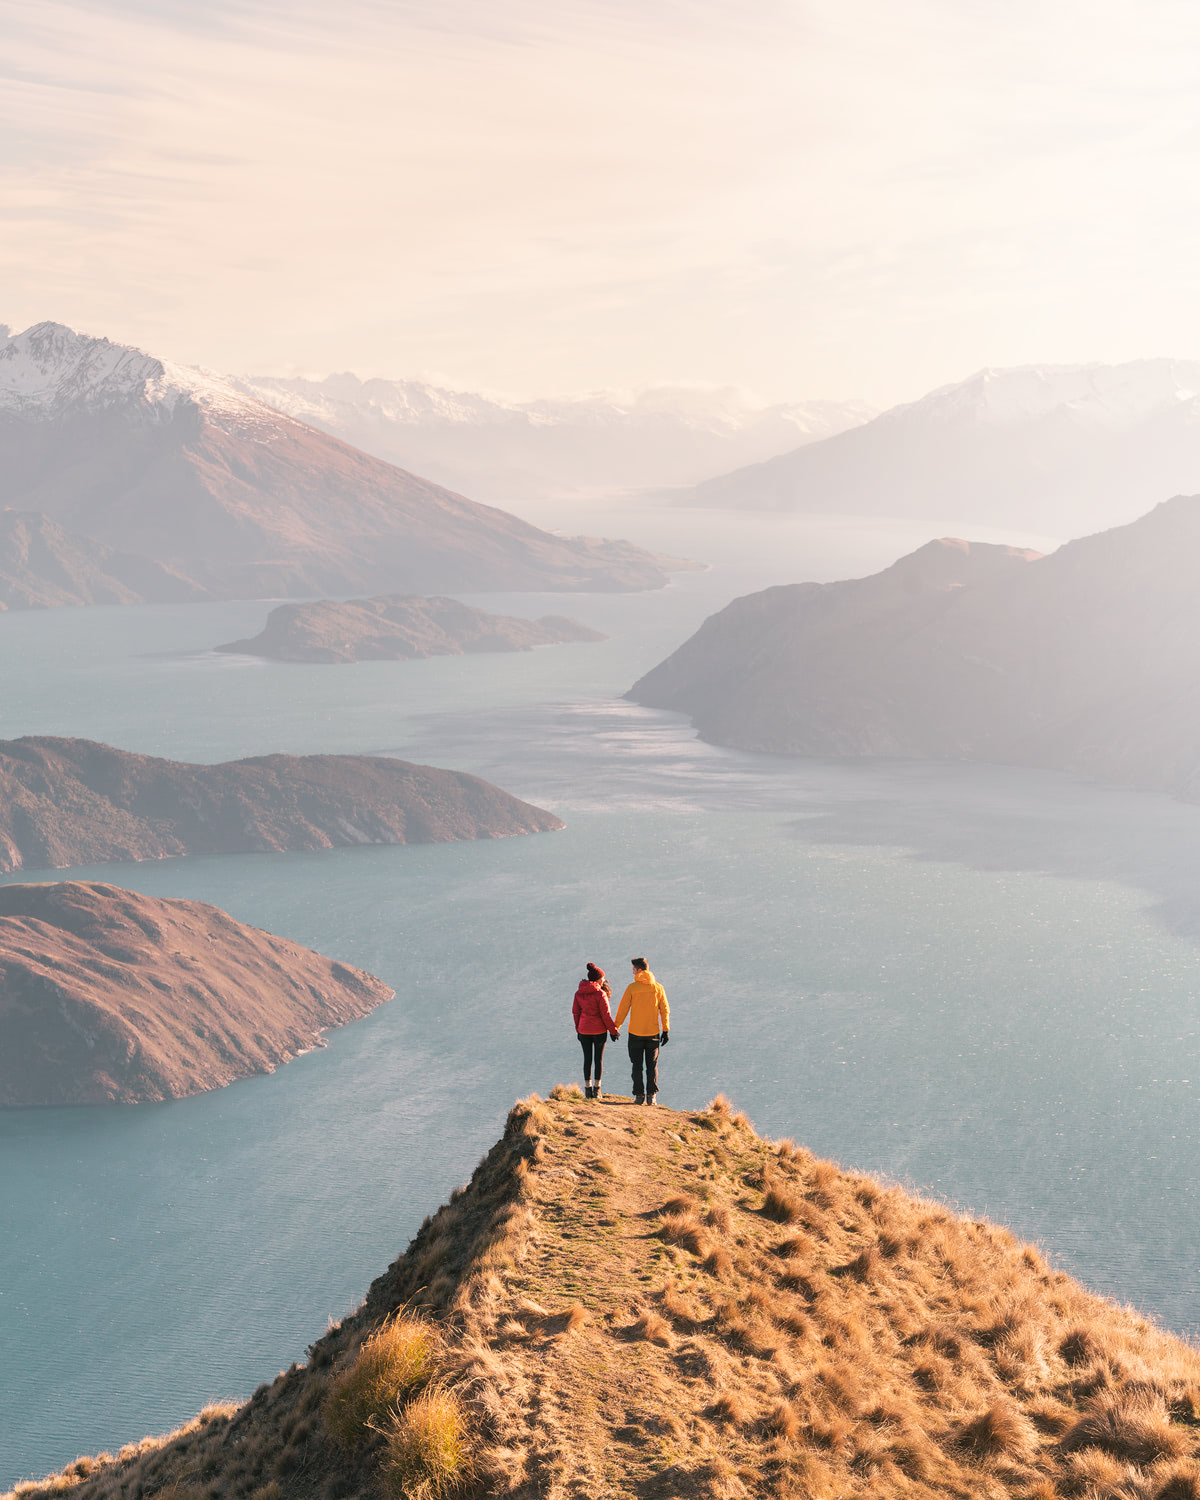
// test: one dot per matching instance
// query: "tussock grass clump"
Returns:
(824, 1177)
(678, 1206)
(683, 1229)
(1180, 1483)
(652, 1327)
(999, 1429)
(796, 1246)
(391, 1365)
(865, 1266)
(561, 1092)
(782, 1206)
(1079, 1347)
(1132, 1427)
(719, 1263)
(719, 1218)
(782, 1421)
(733, 1409)
(878, 1348)
(426, 1452)
(794, 1274)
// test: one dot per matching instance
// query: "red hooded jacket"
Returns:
(591, 1012)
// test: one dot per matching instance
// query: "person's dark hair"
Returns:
(639, 963)
(594, 972)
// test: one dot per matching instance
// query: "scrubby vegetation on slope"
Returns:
(632, 1302)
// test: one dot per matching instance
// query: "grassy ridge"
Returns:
(631, 1302)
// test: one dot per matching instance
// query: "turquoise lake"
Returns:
(977, 981)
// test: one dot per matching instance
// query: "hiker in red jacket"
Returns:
(593, 1026)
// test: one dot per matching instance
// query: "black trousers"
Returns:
(643, 1054)
(593, 1055)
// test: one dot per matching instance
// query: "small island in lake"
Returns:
(69, 802)
(110, 997)
(398, 627)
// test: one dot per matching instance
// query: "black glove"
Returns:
(665, 1038)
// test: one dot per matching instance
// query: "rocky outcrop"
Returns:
(45, 566)
(398, 627)
(109, 997)
(67, 802)
(1087, 660)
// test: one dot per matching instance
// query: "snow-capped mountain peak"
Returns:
(507, 450)
(1104, 395)
(50, 369)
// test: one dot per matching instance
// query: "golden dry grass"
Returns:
(426, 1452)
(661, 1305)
(391, 1365)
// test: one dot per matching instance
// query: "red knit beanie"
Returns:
(595, 973)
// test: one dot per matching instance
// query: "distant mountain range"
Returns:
(181, 469)
(1057, 449)
(510, 451)
(1087, 660)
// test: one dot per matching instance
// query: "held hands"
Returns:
(614, 1036)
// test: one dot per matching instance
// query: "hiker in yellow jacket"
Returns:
(645, 1003)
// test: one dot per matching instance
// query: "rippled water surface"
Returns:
(978, 981)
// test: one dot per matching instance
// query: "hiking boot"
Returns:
(639, 1098)
(588, 1091)
(596, 1091)
(653, 1099)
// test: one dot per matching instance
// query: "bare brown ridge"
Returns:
(651, 1303)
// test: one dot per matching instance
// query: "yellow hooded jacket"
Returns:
(645, 1003)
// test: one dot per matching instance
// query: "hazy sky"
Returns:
(824, 198)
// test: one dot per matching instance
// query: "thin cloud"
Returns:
(814, 198)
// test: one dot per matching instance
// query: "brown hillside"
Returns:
(68, 802)
(152, 459)
(398, 627)
(1086, 661)
(109, 997)
(644, 1303)
(43, 566)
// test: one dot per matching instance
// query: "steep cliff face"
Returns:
(1087, 660)
(67, 802)
(662, 1305)
(108, 997)
(175, 465)
(398, 627)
